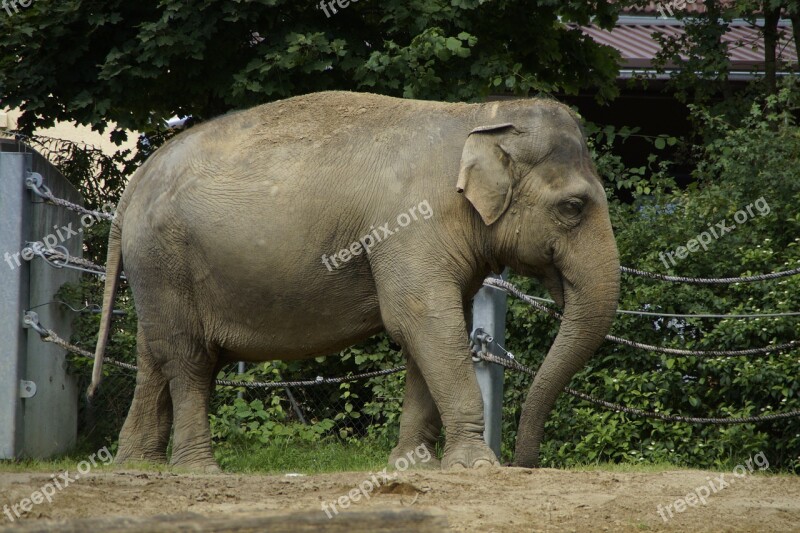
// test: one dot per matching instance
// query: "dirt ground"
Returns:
(507, 499)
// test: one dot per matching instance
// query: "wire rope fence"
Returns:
(350, 403)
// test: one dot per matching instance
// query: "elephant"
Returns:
(299, 227)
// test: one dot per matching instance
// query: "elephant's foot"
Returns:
(199, 466)
(473, 455)
(127, 454)
(140, 446)
(196, 458)
(422, 456)
(198, 469)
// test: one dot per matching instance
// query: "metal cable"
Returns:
(65, 259)
(42, 191)
(62, 260)
(49, 335)
(508, 362)
(93, 268)
(309, 382)
(707, 315)
(514, 291)
(709, 281)
(514, 365)
(684, 315)
(88, 308)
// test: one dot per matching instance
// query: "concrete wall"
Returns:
(45, 424)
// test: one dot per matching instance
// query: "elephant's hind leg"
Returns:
(420, 423)
(145, 434)
(190, 377)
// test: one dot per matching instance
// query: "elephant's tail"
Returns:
(113, 270)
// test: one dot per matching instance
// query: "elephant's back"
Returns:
(301, 160)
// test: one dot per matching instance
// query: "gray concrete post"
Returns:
(242, 370)
(14, 282)
(489, 314)
(51, 416)
(43, 421)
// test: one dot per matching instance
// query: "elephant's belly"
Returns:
(294, 327)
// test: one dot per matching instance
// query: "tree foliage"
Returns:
(136, 63)
(701, 55)
(739, 163)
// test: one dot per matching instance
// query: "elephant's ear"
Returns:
(485, 176)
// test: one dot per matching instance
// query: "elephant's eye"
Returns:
(571, 208)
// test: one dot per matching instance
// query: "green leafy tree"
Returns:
(751, 161)
(702, 56)
(136, 63)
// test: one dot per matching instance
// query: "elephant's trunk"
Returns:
(591, 292)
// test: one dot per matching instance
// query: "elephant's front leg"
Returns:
(429, 323)
(420, 423)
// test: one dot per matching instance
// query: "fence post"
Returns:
(38, 416)
(242, 370)
(14, 287)
(489, 314)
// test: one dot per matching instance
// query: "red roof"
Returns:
(690, 6)
(633, 37)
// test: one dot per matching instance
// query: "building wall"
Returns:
(70, 132)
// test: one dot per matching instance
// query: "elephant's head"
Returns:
(530, 177)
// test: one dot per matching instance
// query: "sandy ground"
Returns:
(507, 499)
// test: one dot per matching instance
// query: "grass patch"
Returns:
(625, 468)
(294, 455)
(645, 468)
(288, 454)
(59, 463)
(280, 456)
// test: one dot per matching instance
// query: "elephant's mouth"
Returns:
(554, 283)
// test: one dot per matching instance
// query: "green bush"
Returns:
(737, 164)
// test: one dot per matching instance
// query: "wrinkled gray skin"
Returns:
(222, 232)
